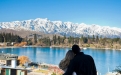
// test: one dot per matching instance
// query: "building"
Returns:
(12, 71)
(10, 43)
(8, 64)
(8, 59)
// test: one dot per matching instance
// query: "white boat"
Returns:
(84, 48)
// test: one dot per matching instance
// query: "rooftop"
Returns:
(12, 67)
(8, 56)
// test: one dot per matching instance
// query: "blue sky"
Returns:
(101, 12)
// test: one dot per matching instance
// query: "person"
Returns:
(65, 62)
(82, 64)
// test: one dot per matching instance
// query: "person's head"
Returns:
(65, 62)
(75, 49)
(69, 55)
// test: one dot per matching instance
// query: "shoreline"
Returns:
(57, 47)
(104, 48)
(52, 65)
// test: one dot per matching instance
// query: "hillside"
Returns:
(23, 33)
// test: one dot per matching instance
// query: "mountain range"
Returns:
(63, 28)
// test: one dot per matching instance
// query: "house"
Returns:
(12, 71)
(8, 59)
(10, 43)
(8, 63)
(2, 44)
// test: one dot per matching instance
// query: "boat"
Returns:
(84, 48)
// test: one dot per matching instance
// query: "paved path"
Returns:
(34, 73)
(110, 73)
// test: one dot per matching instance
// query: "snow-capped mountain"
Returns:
(63, 28)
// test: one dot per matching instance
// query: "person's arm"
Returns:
(70, 68)
(94, 67)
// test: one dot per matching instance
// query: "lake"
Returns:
(105, 60)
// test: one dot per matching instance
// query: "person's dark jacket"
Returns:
(82, 64)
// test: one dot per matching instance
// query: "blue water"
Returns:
(105, 60)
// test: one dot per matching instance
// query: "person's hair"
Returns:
(75, 49)
(65, 62)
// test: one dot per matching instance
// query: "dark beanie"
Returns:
(75, 49)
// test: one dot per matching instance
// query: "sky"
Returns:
(100, 12)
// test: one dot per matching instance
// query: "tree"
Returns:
(35, 38)
(59, 40)
(89, 39)
(23, 60)
(97, 38)
(54, 39)
(103, 41)
(29, 42)
(85, 40)
(81, 39)
(1, 38)
(25, 39)
(47, 41)
(70, 40)
(64, 36)
(118, 69)
(120, 41)
(9, 37)
(93, 38)
(116, 39)
(76, 40)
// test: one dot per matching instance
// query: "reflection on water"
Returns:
(104, 59)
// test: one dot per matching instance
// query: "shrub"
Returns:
(53, 73)
(118, 69)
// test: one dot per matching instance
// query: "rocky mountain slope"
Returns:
(62, 28)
